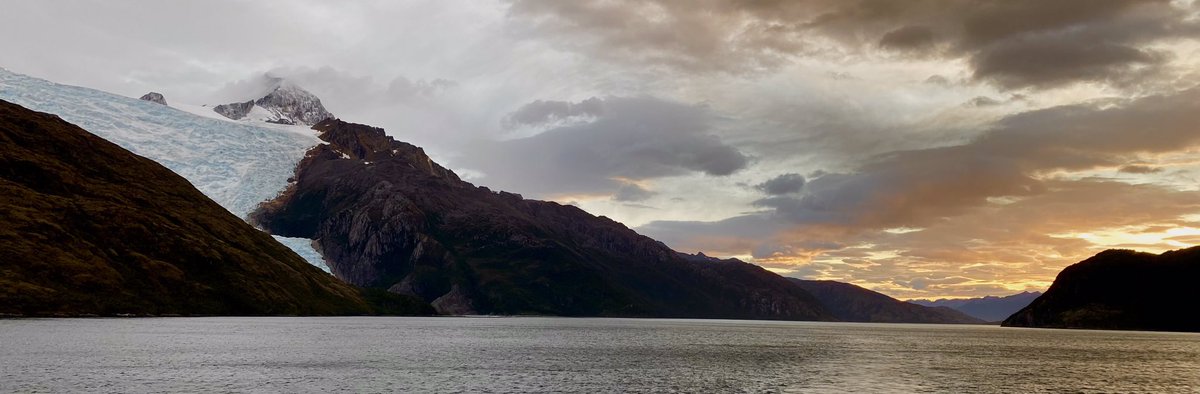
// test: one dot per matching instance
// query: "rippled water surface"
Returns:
(579, 355)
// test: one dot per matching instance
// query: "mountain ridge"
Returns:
(988, 308)
(386, 216)
(1120, 290)
(852, 303)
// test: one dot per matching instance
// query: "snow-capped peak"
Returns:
(283, 103)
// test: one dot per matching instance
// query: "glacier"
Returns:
(304, 248)
(237, 164)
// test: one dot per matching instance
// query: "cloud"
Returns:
(1005, 202)
(1061, 61)
(632, 138)
(910, 188)
(908, 38)
(782, 184)
(999, 248)
(1026, 242)
(1139, 169)
(729, 237)
(631, 192)
(983, 101)
(1012, 43)
(540, 112)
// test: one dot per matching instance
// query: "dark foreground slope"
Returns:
(848, 302)
(385, 216)
(989, 308)
(1121, 290)
(87, 227)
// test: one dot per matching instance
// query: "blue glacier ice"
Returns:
(304, 248)
(237, 164)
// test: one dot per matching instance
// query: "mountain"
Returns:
(989, 308)
(87, 227)
(386, 216)
(848, 302)
(1121, 290)
(397, 221)
(284, 103)
(238, 164)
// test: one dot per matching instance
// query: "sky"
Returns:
(923, 149)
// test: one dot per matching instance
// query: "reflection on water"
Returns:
(372, 354)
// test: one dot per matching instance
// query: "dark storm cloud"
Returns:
(633, 138)
(908, 38)
(1139, 169)
(541, 112)
(1054, 61)
(631, 192)
(1012, 43)
(783, 184)
(983, 101)
(727, 237)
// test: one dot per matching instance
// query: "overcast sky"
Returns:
(919, 148)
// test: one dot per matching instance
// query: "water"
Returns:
(580, 355)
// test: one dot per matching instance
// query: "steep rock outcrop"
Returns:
(852, 303)
(1121, 290)
(87, 227)
(235, 111)
(154, 97)
(386, 216)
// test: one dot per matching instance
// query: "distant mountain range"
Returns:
(851, 303)
(1121, 290)
(989, 308)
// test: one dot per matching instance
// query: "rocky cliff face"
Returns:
(285, 103)
(234, 111)
(852, 303)
(87, 227)
(386, 216)
(154, 97)
(1121, 290)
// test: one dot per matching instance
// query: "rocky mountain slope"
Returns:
(386, 216)
(848, 302)
(87, 227)
(1121, 290)
(989, 308)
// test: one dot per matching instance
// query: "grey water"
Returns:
(378, 354)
